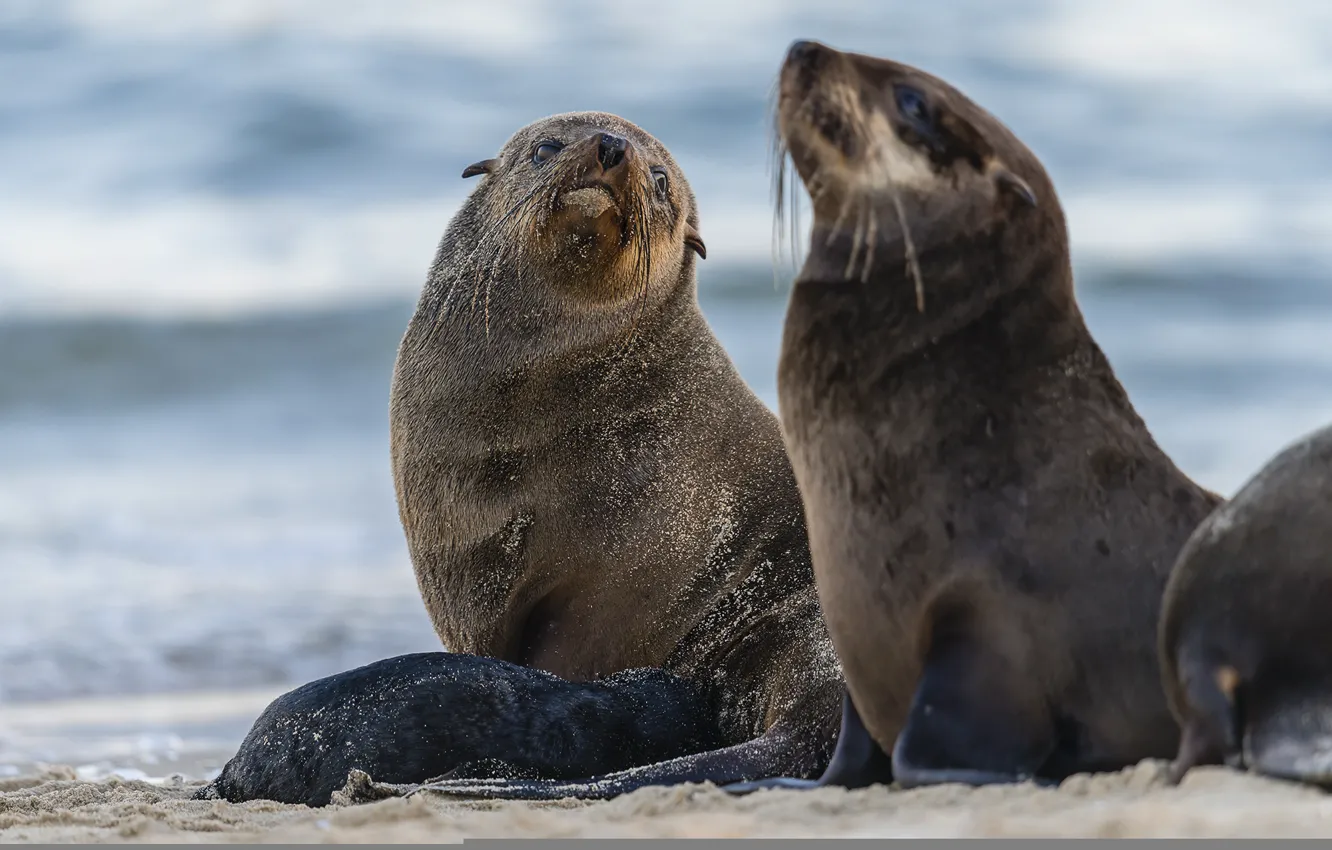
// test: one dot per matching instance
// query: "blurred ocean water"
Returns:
(215, 216)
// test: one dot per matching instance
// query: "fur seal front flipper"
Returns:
(857, 762)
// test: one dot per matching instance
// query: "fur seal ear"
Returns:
(694, 241)
(1006, 179)
(485, 166)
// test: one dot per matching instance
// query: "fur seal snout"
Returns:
(1245, 634)
(990, 521)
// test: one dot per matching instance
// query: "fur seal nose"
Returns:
(806, 53)
(610, 151)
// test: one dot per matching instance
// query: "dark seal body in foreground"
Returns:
(586, 484)
(1246, 625)
(991, 523)
(435, 713)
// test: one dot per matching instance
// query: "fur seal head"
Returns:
(899, 164)
(584, 208)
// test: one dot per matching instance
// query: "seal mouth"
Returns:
(593, 198)
(595, 185)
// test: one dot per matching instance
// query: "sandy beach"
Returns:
(55, 807)
(122, 769)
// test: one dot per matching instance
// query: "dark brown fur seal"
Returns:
(991, 523)
(586, 483)
(1246, 625)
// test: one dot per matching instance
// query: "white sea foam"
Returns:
(212, 256)
(1246, 57)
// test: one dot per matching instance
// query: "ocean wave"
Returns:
(100, 365)
(220, 157)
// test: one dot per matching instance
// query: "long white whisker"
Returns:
(870, 239)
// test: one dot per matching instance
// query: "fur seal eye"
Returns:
(545, 151)
(912, 106)
(663, 182)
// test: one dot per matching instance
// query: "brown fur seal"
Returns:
(586, 483)
(991, 523)
(587, 487)
(1246, 625)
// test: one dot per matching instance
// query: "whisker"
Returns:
(797, 246)
(781, 207)
(912, 264)
(871, 239)
(642, 232)
(857, 239)
(484, 241)
(519, 216)
(841, 219)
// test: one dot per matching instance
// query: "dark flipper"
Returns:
(491, 768)
(858, 761)
(1212, 732)
(783, 749)
(416, 717)
(974, 719)
(1289, 735)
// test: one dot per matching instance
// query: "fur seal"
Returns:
(586, 484)
(1245, 634)
(991, 523)
(450, 714)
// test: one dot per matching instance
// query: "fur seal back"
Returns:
(1245, 628)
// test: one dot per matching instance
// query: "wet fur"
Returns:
(429, 714)
(587, 487)
(586, 483)
(1245, 634)
(977, 484)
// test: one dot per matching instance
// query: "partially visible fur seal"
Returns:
(1246, 625)
(991, 523)
(586, 483)
(429, 714)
